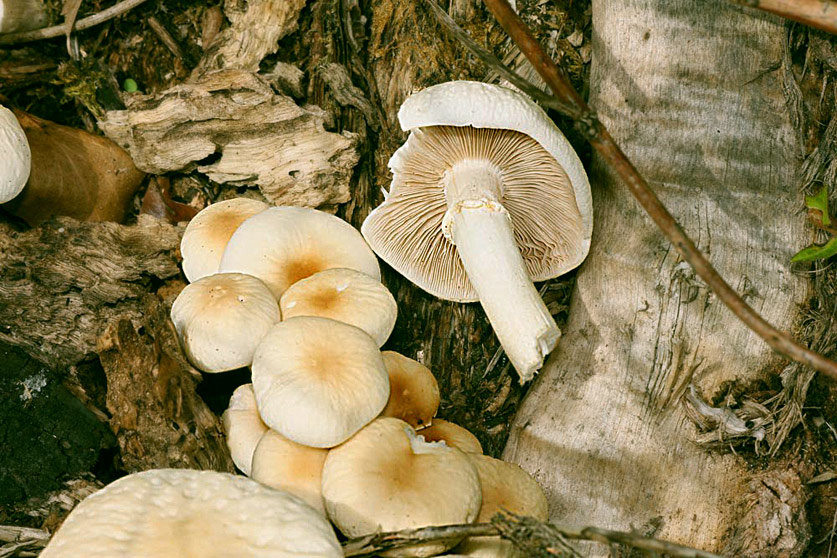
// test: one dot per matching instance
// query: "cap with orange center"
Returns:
(441, 430)
(414, 393)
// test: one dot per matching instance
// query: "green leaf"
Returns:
(820, 202)
(815, 252)
(131, 86)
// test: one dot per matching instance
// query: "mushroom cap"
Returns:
(318, 381)
(505, 486)
(285, 465)
(15, 156)
(208, 233)
(283, 245)
(344, 295)
(452, 434)
(543, 185)
(387, 478)
(244, 427)
(221, 319)
(178, 513)
(413, 390)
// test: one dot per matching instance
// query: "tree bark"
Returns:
(691, 92)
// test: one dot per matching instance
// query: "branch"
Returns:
(535, 538)
(82, 24)
(821, 14)
(598, 136)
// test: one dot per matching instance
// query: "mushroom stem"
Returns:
(480, 227)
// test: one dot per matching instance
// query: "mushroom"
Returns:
(22, 15)
(413, 390)
(344, 295)
(221, 319)
(452, 434)
(487, 196)
(387, 478)
(283, 245)
(243, 426)
(285, 465)
(14, 153)
(318, 381)
(505, 486)
(208, 233)
(173, 513)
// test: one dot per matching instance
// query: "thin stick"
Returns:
(81, 25)
(821, 14)
(603, 143)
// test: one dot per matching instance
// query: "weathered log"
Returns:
(687, 91)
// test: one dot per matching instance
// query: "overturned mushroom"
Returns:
(487, 196)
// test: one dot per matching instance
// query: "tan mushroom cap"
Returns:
(179, 513)
(283, 245)
(344, 295)
(221, 319)
(243, 426)
(441, 430)
(208, 233)
(285, 465)
(387, 478)
(413, 390)
(505, 486)
(318, 381)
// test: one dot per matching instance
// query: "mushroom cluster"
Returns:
(295, 294)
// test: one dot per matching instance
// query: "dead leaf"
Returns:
(157, 202)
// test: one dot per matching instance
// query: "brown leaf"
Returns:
(74, 173)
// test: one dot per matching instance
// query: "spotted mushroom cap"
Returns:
(178, 513)
(318, 381)
(15, 156)
(243, 427)
(414, 393)
(452, 434)
(344, 295)
(544, 186)
(208, 233)
(283, 245)
(221, 319)
(387, 478)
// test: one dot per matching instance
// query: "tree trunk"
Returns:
(692, 91)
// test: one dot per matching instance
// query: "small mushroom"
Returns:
(173, 513)
(221, 319)
(318, 381)
(283, 245)
(208, 233)
(441, 430)
(344, 295)
(487, 196)
(243, 426)
(505, 486)
(387, 478)
(15, 156)
(285, 465)
(413, 390)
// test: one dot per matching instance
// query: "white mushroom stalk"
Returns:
(481, 229)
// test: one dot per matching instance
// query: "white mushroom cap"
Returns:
(413, 391)
(221, 319)
(15, 157)
(283, 245)
(179, 513)
(344, 295)
(505, 486)
(387, 478)
(208, 233)
(452, 434)
(318, 381)
(243, 426)
(285, 465)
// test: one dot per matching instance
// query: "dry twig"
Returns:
(821, 14)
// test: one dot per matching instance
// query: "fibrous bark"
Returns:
(687, 91)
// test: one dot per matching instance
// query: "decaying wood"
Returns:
(158, 419)
(602, 429)
(74, 173)
(231, 126)
(61, 283)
